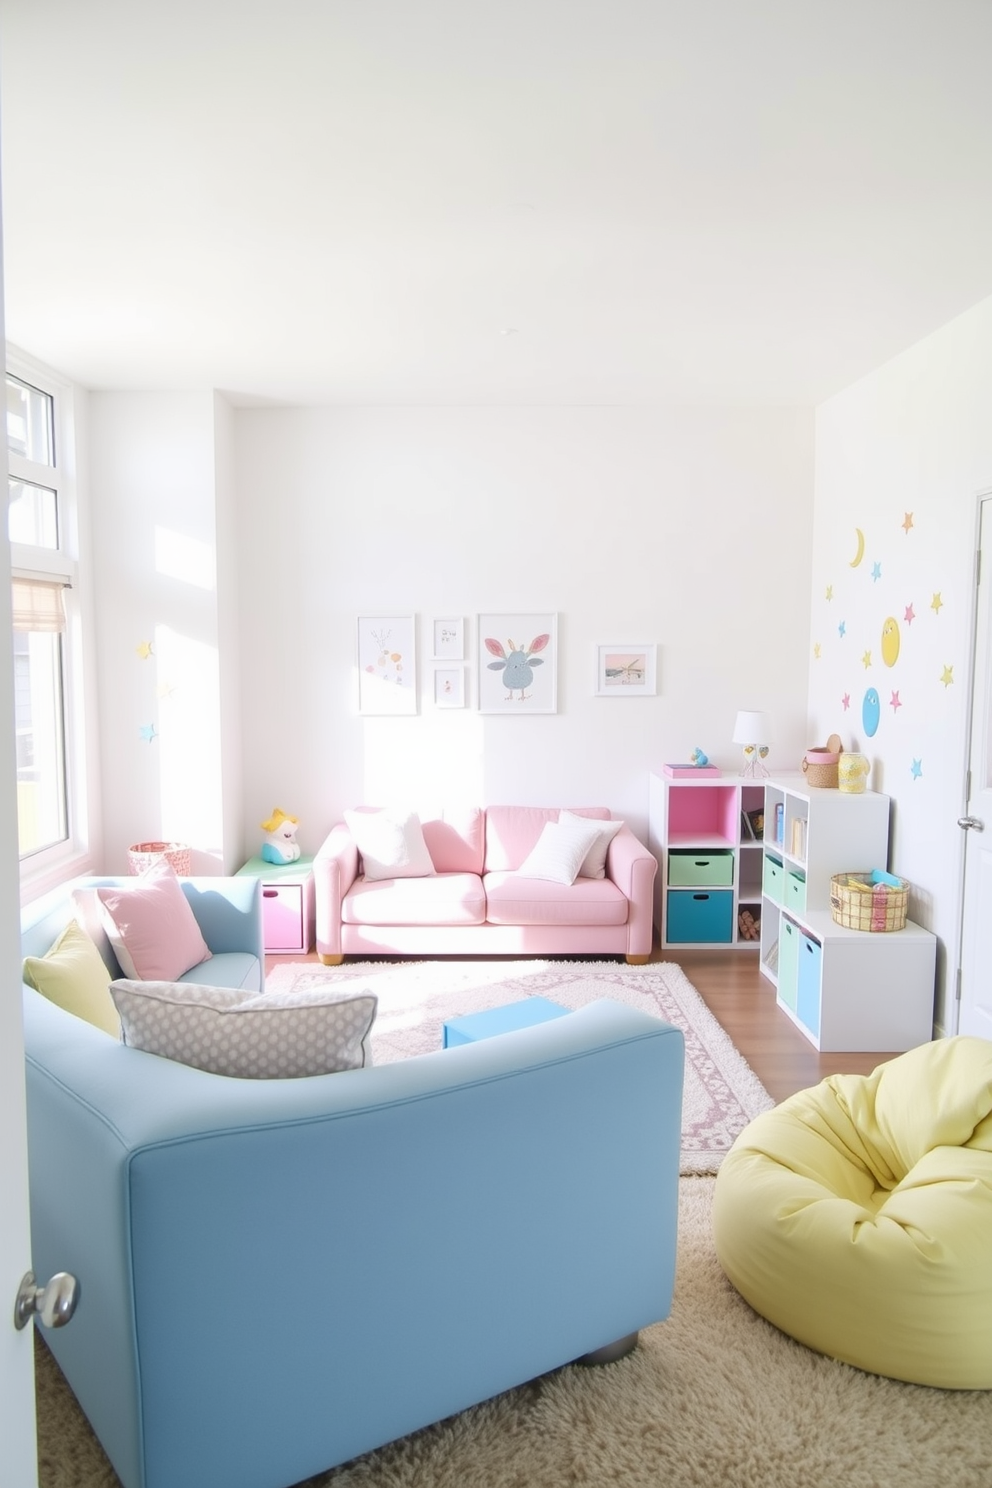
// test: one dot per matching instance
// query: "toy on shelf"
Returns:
(280, 845)
(698, 758)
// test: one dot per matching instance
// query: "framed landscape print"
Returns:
(626, 670)
(387, 664)
(518, 664)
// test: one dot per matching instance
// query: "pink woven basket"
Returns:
(141, 855)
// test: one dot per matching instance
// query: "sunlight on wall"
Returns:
(179, 556)
(189, 740)
(426, 762)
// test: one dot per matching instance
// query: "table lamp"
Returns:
(753, 731)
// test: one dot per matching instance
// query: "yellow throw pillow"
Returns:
(73, 975)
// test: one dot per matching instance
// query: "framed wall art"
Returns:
(518, 664)
(387, 664)
(626, 670)
(449, 687)
(448, 640)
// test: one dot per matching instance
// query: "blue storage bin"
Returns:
(700, 916)
(808, 1001)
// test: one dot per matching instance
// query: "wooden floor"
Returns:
(743, 1002)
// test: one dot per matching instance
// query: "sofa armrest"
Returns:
(335, 868)
(633, 868)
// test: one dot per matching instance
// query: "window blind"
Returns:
(38, 605)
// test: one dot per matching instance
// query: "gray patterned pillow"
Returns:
(251, 1035)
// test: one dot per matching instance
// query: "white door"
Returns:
(975, 1011)
(18, 1454)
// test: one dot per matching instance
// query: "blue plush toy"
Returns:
(699, 759)
(280, 845)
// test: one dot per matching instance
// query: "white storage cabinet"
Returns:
(709, 867)
(845, 989)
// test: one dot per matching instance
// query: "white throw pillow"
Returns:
(594, 865)
(559, 851)
(391, 844)
(250, 1035)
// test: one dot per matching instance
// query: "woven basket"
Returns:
(869, 901)
(141, 855)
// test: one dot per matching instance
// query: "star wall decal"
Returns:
(845, 701)
(876, 572)
(894, 702)
(830, 591)
(148, 732)
(866, 660)
(816, 651)
(842, 629)
(916, 769)
(947, 676)
(936, 604)
(907, 522)
(144, 649)
(909, 614)
(166, 689)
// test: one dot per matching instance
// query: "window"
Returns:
(43, 571)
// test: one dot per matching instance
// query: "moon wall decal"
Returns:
(861, 548)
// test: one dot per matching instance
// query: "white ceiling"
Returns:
(492, 201)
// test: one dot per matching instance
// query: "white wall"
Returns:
(153, 489)
(914, 437)
(688, 527)
(228, 635)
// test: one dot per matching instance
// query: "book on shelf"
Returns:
(756, 821)
(687, 770)
(797, 844)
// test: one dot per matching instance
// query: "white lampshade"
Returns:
(752, 728)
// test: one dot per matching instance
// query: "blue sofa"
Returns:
(279, 1275)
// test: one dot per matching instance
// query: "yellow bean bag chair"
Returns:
(857, 1216)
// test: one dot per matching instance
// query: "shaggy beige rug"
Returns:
(721, 1093)
(714, 1396)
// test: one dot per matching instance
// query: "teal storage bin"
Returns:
(690, 868)
(700, 917)
(795, 889)
(808, 998)
(788, 963)
(773, 879)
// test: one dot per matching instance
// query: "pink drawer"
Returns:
(287, 915)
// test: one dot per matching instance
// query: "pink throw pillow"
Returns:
(151, 927)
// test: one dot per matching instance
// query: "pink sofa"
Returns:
(476, 904)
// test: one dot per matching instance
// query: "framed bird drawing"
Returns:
(518, 664)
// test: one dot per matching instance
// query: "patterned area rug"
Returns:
(721, 1095)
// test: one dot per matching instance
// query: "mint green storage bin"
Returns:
(773, 879)
(788, 963)
(688, 868)
(795, 889)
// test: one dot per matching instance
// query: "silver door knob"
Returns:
(971, 823)
(54, 1304)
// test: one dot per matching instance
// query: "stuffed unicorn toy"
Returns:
(280, 845)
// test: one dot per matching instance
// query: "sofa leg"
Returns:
(329, 960)
(611, 1351)
(638, 960)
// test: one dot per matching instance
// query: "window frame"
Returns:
(50, 865)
